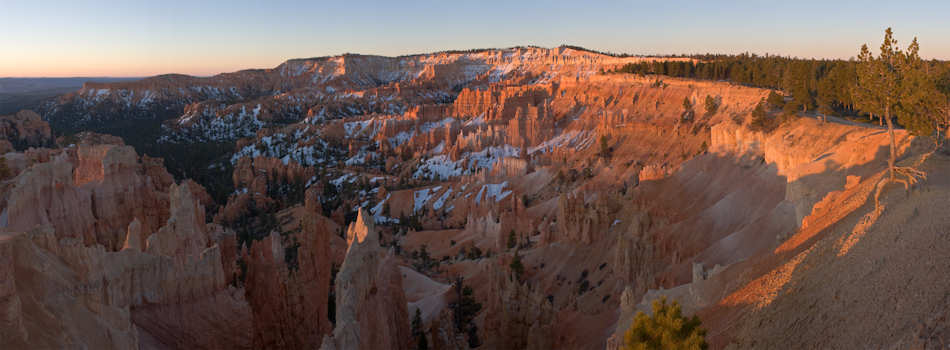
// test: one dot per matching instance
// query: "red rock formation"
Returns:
(290, 302)
(68, 259)
(370, 302)
(517, 316)
(582, 222)
(12, 330)
(24, 129)
(97, 200)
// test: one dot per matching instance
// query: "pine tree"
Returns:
(878, 87)
(667, 328)
(687, 109)
(865, 90)
(825, 97)
(464, 310)
(919, 97)
(833, 89)
(775, 100)
(418, 332)
(604, 150)
(894, 83)
(516, 266)
(417, 322)
(711, 105)
(943, 86)
(5, 171)
(797, 83)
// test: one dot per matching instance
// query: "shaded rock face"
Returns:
(24, 129)
(12, 329)
(76, 244)
(371, 305)
(93, 291)
(289, 303)
(185, 233)
(91, 192)
(517, 315)
(633, 252)
(579, 221)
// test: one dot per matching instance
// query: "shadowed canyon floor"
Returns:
(517, 198)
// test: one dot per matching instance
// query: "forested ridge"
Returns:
(825, 86)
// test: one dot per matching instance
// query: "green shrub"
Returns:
(762, 121)
(775, 100)
(688, 112)
(667, 328)
(5, 171)
(516, 266)
(418, 333)
(464, 311)
(711, 105)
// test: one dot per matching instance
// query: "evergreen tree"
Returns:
(464, 311)
(865, 90)
(878, 83)
(417, 322)
(5, 171)
(943, 87)
(892, 83)
(775, 100)
(919, 97)
(418, 332)
(797, 82)
(667, 328)
(711, 105)
(839, 80)
(516, 266)
(687, 109)
(604, 152)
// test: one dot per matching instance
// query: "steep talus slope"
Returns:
(851, 261)
(890, 268)
(828, 174)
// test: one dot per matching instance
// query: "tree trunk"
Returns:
(890, 131)
(946, 134)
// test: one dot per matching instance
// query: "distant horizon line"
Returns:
(92, 77)
(574, 47)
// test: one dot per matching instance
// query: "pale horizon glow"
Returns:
(86, 38)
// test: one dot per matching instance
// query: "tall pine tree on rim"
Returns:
(895, 83)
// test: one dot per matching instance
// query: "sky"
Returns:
(134, 38)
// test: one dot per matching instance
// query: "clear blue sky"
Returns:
(202, 37)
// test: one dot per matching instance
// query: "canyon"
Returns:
(520, 198)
